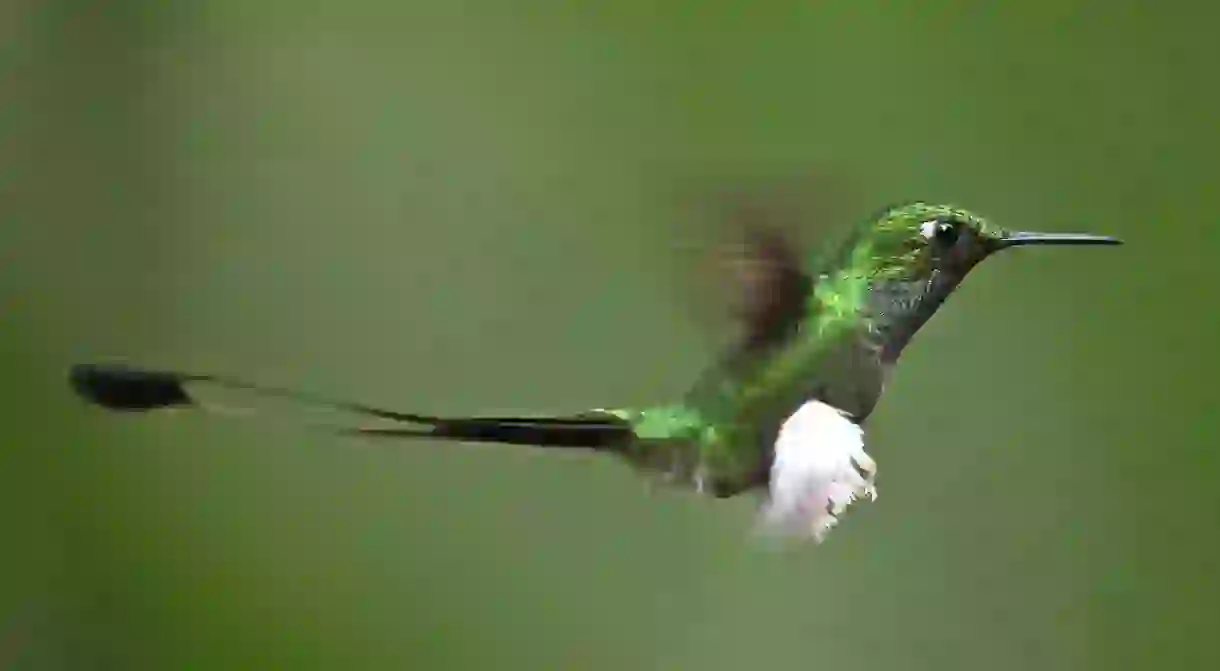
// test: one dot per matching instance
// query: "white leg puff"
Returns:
(820, 468)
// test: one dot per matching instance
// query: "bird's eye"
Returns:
(943, 232)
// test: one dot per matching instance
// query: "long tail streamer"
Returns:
(127, 389)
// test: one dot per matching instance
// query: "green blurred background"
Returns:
(457, 206)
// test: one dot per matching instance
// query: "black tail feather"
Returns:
(602, 433)
(127, 389)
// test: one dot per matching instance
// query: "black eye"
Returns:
(942, 232)
(946, 232)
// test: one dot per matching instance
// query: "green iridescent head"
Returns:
(916, 239)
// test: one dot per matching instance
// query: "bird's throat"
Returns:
(899, 308)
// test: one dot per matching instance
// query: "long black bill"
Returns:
(1017, 239)
(121, 388)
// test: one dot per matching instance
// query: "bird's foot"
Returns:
(820, 468)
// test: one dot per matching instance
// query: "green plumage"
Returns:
(864, 301)
(827, 329)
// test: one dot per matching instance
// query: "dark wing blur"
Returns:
(772, 287)
(763, 268)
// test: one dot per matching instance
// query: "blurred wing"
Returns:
(759, 275)
(772, 287)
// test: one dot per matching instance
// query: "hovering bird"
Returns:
(782, 410)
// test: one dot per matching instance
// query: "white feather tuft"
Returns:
(820, 468)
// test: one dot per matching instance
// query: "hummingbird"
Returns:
(781, 411)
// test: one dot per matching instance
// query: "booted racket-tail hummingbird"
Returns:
(782, 411)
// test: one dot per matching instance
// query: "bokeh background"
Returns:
(484, 206)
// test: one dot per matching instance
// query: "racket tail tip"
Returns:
(126, 389)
